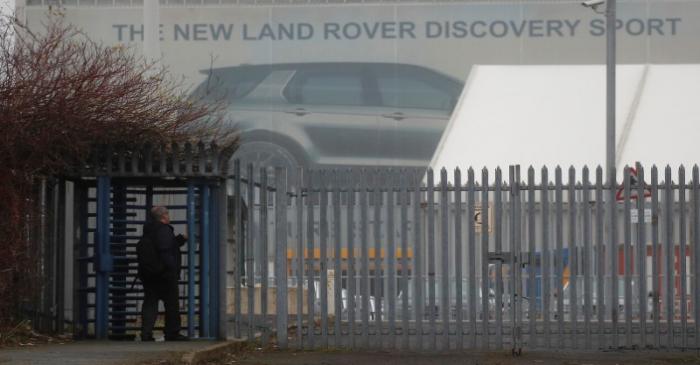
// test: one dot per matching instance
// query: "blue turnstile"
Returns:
(111, 213)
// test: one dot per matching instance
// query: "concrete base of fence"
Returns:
(212, 352)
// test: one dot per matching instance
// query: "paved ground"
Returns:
(162, 353)
(488, 358)
(100, 353)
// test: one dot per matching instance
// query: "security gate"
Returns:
(113, 196)
(390, 259)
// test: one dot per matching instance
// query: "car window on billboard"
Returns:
(326, 88)
(410, 90)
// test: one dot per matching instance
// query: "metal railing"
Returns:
(394, 259)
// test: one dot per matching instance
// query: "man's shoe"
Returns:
(147, 339)
(178, 337)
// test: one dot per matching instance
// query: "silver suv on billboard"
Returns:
(335, 115)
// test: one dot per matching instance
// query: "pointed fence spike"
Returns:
(138, 159)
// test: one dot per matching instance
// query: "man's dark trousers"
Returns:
(163, 288)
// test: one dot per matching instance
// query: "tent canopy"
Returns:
(555, 115)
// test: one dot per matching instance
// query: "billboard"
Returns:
(372, 84)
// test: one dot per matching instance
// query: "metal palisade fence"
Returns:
(399, 259)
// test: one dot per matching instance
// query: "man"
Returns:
(164, 286)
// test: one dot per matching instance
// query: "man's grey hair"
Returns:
(158, 212)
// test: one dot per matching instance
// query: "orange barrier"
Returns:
(344, 253)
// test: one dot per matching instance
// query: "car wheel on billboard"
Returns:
(270, 155)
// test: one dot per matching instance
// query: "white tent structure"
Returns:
(555, 115)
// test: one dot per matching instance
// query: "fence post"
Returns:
(222, 221)
(587, 260)
(484, 256)
(310, 258)
(613, 249)
(364, 244)
(418, 260)
(656, 251)
(531, 291)
(281, 254)
(103, 258)
(472, 258)
(337, 286)
(404, 260)
(46, 260)
(323, 258)
(250, 244)
(682, 256)
(61, 244)
(498, 237)
(573, 260)
(670, 279)
(238, 246)
(205, 269)
(458, 257)
(546, 261)
(431, 260)
(301, 261)
(695, 225)
(444, 262)
(600, 253)
(515, 231)
(627, 253)
(559, 262)
(191, 247)
(642, 254)
(264, 256)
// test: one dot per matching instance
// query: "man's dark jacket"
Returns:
(167, 243)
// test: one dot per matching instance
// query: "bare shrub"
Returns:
(61, 94)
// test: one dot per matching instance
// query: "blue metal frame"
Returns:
(214, 269)
(191, 246)
(205, 273)
(202, 221)
(103, 259)
(82, 205)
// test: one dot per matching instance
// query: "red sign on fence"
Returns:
(634, 195)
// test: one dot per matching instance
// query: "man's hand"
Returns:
(180, 239)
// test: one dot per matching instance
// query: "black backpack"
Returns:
(149, 262)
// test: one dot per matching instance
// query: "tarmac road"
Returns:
(468, 358)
